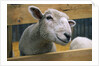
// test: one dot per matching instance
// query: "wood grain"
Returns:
(9, 41)
(70, 55)
(18, 14)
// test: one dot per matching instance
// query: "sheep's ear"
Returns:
(35, 12)
(72, 23)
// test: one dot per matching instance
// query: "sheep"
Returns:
(53, 26)
(80, 42)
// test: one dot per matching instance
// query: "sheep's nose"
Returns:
(68, 36)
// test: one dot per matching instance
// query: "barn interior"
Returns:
(18, 19)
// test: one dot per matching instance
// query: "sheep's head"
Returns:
(54, 25)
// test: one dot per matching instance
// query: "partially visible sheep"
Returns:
(53, 26)
(81, 42)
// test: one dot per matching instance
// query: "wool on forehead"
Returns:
(56, 13)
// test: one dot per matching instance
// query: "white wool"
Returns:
(81, 42)
(38, 38)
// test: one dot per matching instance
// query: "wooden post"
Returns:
(9, 41)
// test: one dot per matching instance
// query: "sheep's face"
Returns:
(54, 25)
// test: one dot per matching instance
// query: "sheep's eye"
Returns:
(49, 17)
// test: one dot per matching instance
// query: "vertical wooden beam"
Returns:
(9, 41)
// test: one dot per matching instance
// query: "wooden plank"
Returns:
(18, 14)
(70, 55)
(9, 41)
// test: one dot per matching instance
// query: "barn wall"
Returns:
(83, 28)
(18, 14)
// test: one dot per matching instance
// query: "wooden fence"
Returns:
(70, 55)
(18, 14)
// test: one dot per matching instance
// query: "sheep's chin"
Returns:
(60, 42)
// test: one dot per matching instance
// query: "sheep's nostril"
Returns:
(68, 36)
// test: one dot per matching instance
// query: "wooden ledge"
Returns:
(70, 55)
(18, 14)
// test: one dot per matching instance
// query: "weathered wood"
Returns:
(70, 55)
(18, 14)
(9, 41)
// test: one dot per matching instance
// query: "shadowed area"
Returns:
(59, 48)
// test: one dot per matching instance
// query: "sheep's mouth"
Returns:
(62, 40)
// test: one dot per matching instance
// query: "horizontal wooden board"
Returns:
(70, 55)
(18, 14)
